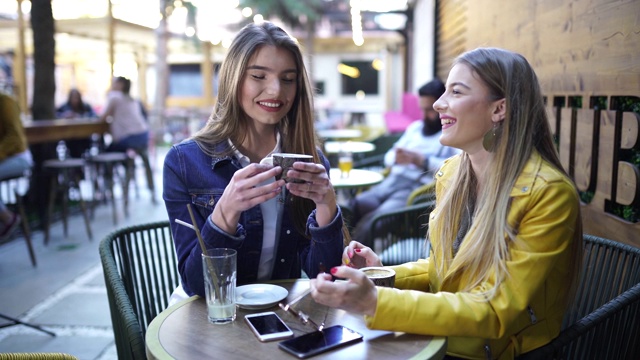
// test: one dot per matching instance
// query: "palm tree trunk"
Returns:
(44, 49)
(43, 105)
(162, 68)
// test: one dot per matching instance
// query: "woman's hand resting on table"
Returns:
(245, 190)
(357, 294)
(357, 256)
(317, 187)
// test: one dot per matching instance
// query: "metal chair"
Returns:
(375, 159)
(140, 271)
(422, 194)
(399, 236)
(603, 322)
(143, 153)
(65, 175)
(104, 173)
(11, 190)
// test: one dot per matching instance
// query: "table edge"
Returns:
(436, 349)
(154, 349)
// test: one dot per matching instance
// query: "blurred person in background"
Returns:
(15, 157)
(127, 122)
(411, 161)
(76, 108)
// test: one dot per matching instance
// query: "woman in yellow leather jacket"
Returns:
(506, 232)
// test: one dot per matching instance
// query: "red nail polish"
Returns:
(334, 270)
(358, 250)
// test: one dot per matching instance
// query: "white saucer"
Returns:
(259, 296)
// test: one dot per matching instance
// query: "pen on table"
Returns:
(286, 307)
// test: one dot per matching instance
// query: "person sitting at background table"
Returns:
(15, 157)
(506, 232)
(75, 107)
(264, 106)
(411, 161)
(127, 123)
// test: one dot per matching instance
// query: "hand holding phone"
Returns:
(268, 326)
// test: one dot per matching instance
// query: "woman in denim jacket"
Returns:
(264, 106)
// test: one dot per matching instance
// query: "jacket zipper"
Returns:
(532, 315)
(487, 350)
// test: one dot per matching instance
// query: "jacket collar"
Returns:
(523, 183)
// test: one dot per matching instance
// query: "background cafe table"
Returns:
(43, 131)
(358, 178)
(183, 332)
(339, 134)
(334, 147)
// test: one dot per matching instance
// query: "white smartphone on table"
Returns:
(267, 326)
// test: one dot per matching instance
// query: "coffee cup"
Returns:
(286, 160)
(381, 276)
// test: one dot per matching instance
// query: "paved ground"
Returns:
(65, 293)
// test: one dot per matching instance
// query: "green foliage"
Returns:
(292, 12)
(586, 196)
(599, 102)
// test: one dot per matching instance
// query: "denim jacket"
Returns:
(192, 177)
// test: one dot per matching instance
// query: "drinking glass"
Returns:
(219, 266)
(345, 163)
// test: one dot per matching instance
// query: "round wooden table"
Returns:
(182, 331)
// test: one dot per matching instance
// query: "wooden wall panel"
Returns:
(579, 49)
(451, 33)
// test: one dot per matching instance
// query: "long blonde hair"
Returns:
(229, 121)
(484, 251)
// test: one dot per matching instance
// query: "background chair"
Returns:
(397, 121)
(104, 173)
(422, 194)
(10, 187)
(374, 160)
(603, 322)
(65, 176)
(399, 236)
(143, 154)
(141, 272)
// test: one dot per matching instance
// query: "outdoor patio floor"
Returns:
(65, 293)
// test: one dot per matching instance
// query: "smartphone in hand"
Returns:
(267, 326)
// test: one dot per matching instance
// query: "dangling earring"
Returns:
(489, 139)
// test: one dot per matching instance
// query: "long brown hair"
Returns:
(228, 120)
(524, 130)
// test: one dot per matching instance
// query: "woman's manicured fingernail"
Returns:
(334, 270)
(358, 250)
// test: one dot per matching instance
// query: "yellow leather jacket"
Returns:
(528, 308)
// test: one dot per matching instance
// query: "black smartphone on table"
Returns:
(267, 326)
(320, 341)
